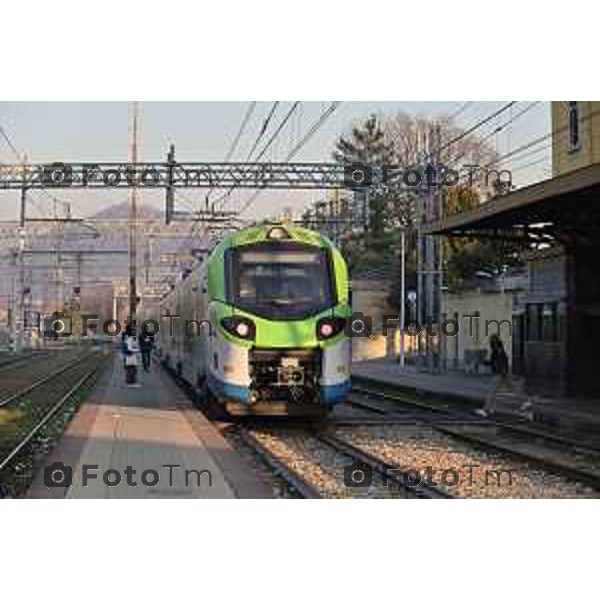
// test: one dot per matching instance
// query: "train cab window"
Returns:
(283, 281)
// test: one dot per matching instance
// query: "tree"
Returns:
(409, 138)
(464, 258)
(366, 246)
(367, 144)
(405, 140)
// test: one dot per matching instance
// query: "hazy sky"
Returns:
(203, 131)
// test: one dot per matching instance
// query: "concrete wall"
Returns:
(492, 306)
(371, 298)
(565, 158)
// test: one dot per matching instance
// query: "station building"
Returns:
(480, 311)
(556, 321)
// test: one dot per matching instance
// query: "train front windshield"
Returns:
(282, 282)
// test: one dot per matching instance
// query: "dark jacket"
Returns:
(498, 358)
(146, 342)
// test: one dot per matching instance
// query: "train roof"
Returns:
(273, 232)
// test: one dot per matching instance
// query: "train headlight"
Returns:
(326, 330)
(239, 327)
(278, 233)
(242, 329)
(329, 327)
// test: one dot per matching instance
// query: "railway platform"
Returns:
(472, 388)
(151, 440)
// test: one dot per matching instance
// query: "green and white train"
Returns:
(259, 326)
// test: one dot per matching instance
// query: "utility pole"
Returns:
(20, 294)
(429, 257)
(79, 259)
(13, 301)
(133, 199)
(60, 300)
(435, 213)
(148, 254)
(402, 322)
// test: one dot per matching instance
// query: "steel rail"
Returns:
(46, 378)
(56, 406)
(551, 465)
(305, 489)
(386, 470)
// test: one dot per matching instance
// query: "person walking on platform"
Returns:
(146, 345)
(131, 350)
(501, 379)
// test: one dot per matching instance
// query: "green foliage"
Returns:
(366, 144)
(465, 257)
(372, 244)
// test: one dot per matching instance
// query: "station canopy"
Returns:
(564, 209)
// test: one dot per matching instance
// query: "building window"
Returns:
(573, 119)
(534, 322)
(550, 322)
(542, 323)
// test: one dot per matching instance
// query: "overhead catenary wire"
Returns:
(539, 140)
(497, 129)
(278, 130)
(193, 234)
(312, 130)
(530, 148)
(10, 144)
(259, 137)
(529, 164)
(237, 138)
(21, 158)
(240, 132)
(477, 125)
(263, 130)
(230, 152)
(548, 141)
(459, 111)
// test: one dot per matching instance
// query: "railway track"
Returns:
(550, 452)
(436, 413)
(315, 464)
(32, 419)
(395, 435)
(520, 426)
(9, 400)
(17, 374)
(8, 362)
(293, 480)
(390, 414)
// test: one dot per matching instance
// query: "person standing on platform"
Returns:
(146, 345)
(131, 349)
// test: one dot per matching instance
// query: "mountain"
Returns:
(121, 211)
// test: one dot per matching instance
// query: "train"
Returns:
(259, 326)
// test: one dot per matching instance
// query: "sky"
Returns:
(204, 131)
